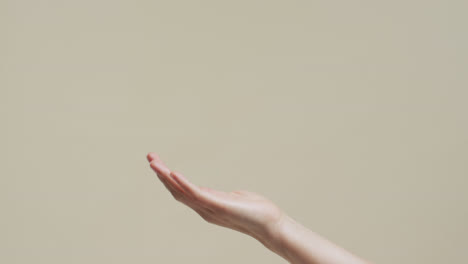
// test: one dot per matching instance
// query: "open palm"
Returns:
(243, 211)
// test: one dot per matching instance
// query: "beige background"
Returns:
(351, 115)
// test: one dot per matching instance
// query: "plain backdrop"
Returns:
(351, 115)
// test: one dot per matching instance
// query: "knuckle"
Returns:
(206, 217)
(178, 197)
(196, 196)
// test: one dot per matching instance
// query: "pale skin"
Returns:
(253, 215)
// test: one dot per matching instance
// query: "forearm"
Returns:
(299, 245)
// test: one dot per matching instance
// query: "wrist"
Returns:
(275, 234)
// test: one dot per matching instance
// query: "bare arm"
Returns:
(256, 216)
(299, 245)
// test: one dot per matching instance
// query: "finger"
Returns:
(176, 194)
(188, 187)
(179, 195)
(164, 174)
(151, 156)
(201, 201)
(191, 189)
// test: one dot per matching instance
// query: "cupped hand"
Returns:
(243, 211)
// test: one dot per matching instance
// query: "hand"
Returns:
(254, 215)
(243, 211)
